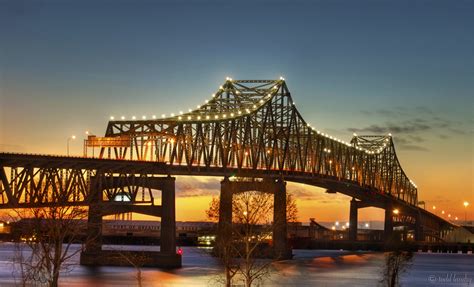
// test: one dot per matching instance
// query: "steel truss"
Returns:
(248, 128)
(255, 125)
(37, 184)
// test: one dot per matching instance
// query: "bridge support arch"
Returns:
(419, 236)
(355, 205)
(276, 187)
(94, 255)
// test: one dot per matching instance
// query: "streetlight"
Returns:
(396, 211)
(466, 204)
(73, 137)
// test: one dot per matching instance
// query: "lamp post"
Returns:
(73, 137)
(466, 204)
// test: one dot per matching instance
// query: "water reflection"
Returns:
(308, 268)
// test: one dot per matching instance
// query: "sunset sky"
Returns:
(371, 67)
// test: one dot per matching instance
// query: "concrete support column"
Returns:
(168, 217)
(353, 220)
(94, 229)
(225, 209)
(94, 219)
(419, 229)
(388, 226)
(279, 220)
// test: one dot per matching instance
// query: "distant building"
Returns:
(313, 231)
(461, 234)
(152, 228)
(5, 231)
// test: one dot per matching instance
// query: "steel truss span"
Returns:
(254, 125)
(248, 128)
(39, 181)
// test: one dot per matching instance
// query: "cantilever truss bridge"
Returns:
(248, 128)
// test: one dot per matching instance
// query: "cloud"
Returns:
(412, 126)
(413, 147)
(405, 127)
(187, 186)
(409, 133)
(415, 138)
(197, 186)
(11, 148)
(309, 192)
(423, 110)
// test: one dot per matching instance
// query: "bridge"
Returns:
(248, 129)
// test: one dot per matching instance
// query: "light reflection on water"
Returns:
(308, 268)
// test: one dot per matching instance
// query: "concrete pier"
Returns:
(353, 220)
(167, 257)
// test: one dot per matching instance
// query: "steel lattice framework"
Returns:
(48, 181)
(254, 125)
(249, 128)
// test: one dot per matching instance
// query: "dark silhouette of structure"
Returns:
(248, 128)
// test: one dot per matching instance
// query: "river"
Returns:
(308, 268)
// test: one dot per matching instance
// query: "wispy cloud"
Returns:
(308, 192)
(11, 148)
(405, 127)
(197, 186)
(187, 186)
(411, 125)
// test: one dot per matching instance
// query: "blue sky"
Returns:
(404, 67)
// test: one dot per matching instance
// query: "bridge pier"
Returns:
(281, 248)
(94, 229)
(388, 224)
(353, 220)
(94, 255)
(419, 236)
(280, 242)
(225, 209)
(168, 217)
(94, 220)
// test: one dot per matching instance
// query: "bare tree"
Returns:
(212, 213)
(397, 261)
(291, 208)
(49, 233)
(244, 251)
(253, 228)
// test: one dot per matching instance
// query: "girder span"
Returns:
(255, 125)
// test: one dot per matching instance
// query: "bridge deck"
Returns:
(353, 189)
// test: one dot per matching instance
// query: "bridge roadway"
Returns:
(331, 183)
(365, 196)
